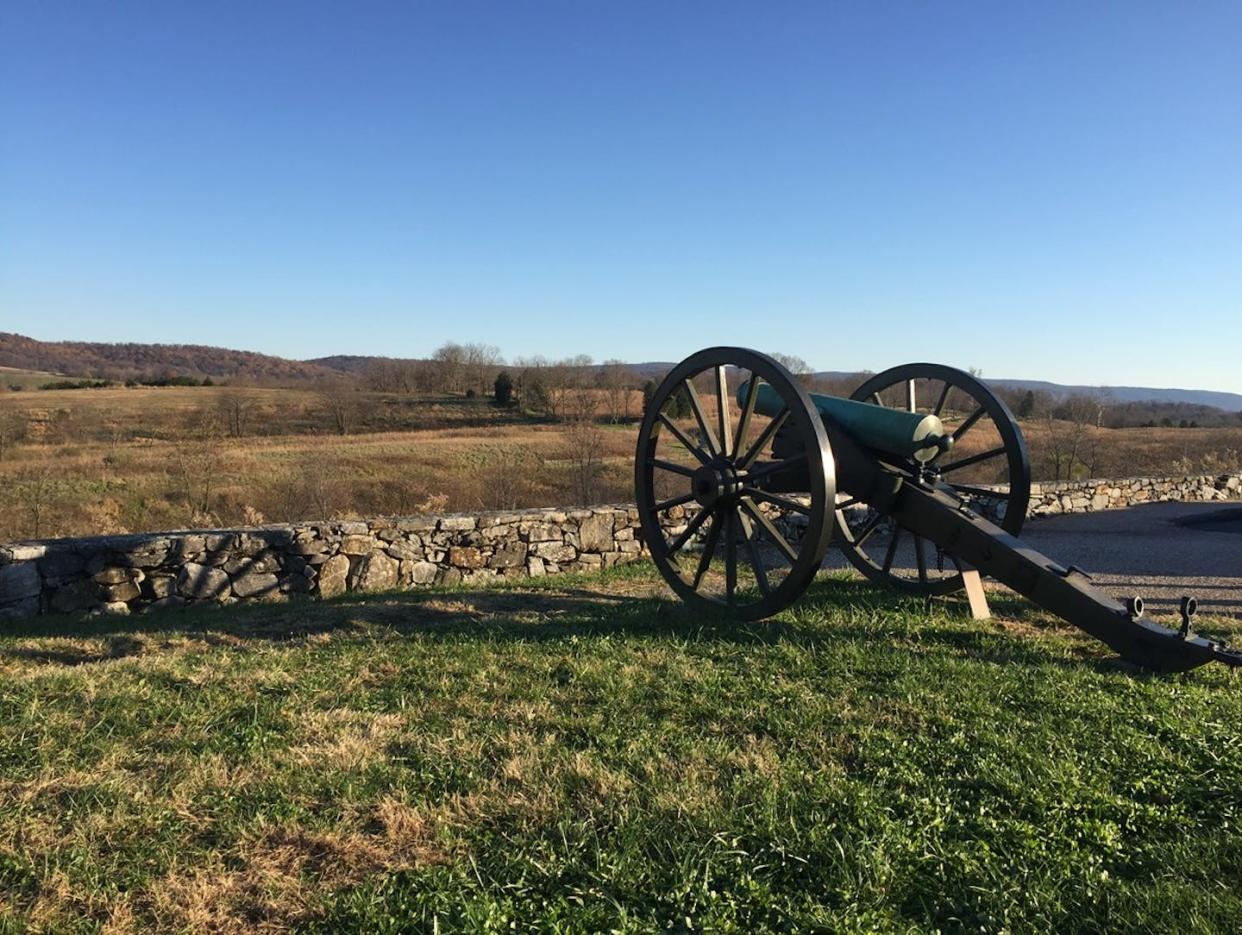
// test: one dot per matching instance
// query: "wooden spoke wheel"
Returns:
(987, 467)
(718, 539)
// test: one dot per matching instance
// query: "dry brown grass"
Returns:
(118, 460)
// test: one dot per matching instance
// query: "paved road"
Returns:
(1158, 551)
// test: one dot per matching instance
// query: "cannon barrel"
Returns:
(892, 431)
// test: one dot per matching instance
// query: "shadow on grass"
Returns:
(833, 612)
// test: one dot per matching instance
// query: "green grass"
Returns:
(583, 756)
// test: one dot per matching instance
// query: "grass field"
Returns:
(136, 459)
(585, 756)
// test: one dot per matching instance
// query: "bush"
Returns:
(503, 388)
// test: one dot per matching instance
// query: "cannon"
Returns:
(742, 479)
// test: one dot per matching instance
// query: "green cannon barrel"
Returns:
(893, 431)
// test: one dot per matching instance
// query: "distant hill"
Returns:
(122, 361)
(1230, 402)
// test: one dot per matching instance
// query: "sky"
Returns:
(1045, 191)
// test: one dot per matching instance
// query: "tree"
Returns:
(585, 453)
(235, 411)
(478, 363)
(1026, 405)
(615, 381)
(339, 404)
(794, 364)
(450, 363)
(503, 388)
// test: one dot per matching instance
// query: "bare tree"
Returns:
(339, 403)
(794, 364)
(37, 492)
(480, 362)
(586, 458)
(236, 410)
(197, 463)
(616, 383)
(1071, 427)
(450, 365)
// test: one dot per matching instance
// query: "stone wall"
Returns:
(1086, 496)
(124, 574)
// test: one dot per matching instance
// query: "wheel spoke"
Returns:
(920, 559)
(773, 533)
(691, 528)
(673, 501)
(973, 459)
(764, 437)
(709, 550)
(846, 504)
(756, 561)
(868, 528)
(670, 466)
(730, 534)
(875, 398)
(910, 400)
(892, 549)
(697, 406)
(944, 397)
(968, 424)
(681, 436)
(783, 502)
(748, 408)
(722, 411)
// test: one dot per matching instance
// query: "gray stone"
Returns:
(61, 563)
(554, 551)
(465, 557)
(20, 610)
(423, 572)
(357, 545)
(376, 572)
(162, 586)
(545, 532)
(333, 575)
(19, 582)
(400, 549)
(202, 582)
(77, 595)
(111, 575)
(259, 563)
(450, 576)
(457, 523)
(511, 556)
(124, 592)
(254, 583)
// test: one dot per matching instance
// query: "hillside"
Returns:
(121, 361)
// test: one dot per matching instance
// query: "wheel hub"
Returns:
(715, 482)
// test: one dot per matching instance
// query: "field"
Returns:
(76, 462)
(583, 756)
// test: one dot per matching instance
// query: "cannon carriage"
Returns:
(743, 479)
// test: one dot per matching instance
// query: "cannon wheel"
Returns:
(982, 409)
(694, 455)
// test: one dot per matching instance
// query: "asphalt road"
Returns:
(1158, 551)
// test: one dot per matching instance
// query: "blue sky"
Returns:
(1038, 190)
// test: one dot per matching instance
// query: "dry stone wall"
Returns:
(125, 574)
